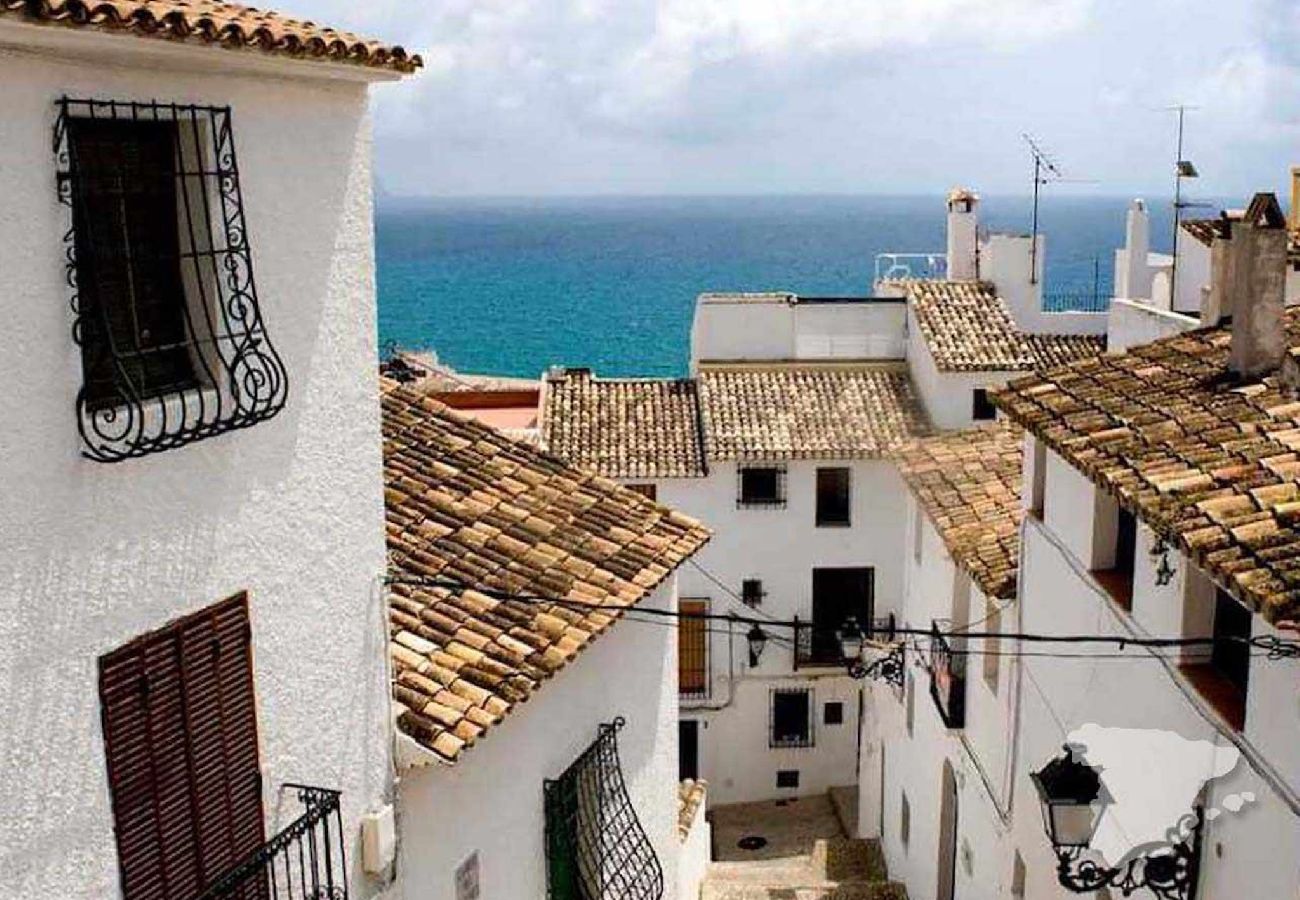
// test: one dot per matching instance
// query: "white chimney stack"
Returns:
(963, 254)
(1134, 277)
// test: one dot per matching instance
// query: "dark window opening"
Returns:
(791, 719)
(832, 497)
(1224, 679)
(1118, 580)
(180, 741)
(762, 486)
(128, 260)
(648, 490)
(688, 749)
(751, 591)
(787, 778)
(982, 408)
(833, 713)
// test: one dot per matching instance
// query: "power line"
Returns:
(1272, 647)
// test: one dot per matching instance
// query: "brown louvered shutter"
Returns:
(180, 736)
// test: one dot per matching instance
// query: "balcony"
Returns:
(817, 645)
(947, 679)
(903, 266)
(304, 861)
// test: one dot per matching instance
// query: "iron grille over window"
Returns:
(596, 848)
(792, 724)
(173, 345)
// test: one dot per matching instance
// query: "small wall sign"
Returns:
(467, 878)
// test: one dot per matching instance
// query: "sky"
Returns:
(578, 97)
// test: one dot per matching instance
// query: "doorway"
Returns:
(947, 835)
(838, 595)
(688, 749)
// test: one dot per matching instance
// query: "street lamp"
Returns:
(757, 641)
(887, 664)
(1073, 800)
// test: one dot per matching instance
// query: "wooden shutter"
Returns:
(692, 649)
(180, 737)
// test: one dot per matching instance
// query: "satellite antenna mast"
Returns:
(1045, 170)
(1183, 168)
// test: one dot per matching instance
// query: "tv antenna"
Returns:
(1183, 168)
(1046, 171)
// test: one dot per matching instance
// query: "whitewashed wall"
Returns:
(948, 397)
(92, 555)
(1135, 322)
(696, 854)
(781, 547)
(491, 802)
(1246, 853)
(779, 327)
(913, 764)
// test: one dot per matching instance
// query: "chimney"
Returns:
(963, 261)
(1133, 278)
(1295, 198)
(1251, 286)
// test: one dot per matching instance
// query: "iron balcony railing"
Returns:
(1076, 301)
(304, 861)
(903, 266)
(947, 679)
(817, 644)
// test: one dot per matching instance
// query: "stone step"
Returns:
(862, 891)
(849, 860)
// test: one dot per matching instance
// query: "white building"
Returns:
(782, 442)
(537, 736)
(936, 784)
(187, 634)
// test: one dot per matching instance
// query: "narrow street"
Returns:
(796, 849)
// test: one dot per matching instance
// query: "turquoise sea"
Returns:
(513, 286)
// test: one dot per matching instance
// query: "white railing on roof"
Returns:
(899, 266)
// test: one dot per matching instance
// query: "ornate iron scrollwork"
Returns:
(224, 373)
(888, 668)
(1169, 871)
(596, 848)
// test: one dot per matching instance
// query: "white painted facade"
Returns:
(781, 548)
(290, 511)
(490, 803)
(907, 738)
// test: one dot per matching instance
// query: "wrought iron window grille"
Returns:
(174, 347)
(783, 734)
(596, 848)
(304, 861)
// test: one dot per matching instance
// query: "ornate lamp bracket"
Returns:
(1168, 872)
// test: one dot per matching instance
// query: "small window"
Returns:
(911, 704)
(992, 649)
(1018, 877)
(787, 778)
(905, 821)
(761, 486)
(832, 497)
(791, 718)
(1224, 678)
(1118, 579)
(833, 713)
(751, 591)
(647, 490)
(982, 408)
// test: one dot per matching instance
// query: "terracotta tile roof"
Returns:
(624, 427)
(1049, 350)
(800, 410)
(690, 796)
(208, 22)
(1210, 466)
(968, 483)
(969, 328)
(1204, 230)
(466, 504)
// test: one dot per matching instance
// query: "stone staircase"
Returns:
(837, 869)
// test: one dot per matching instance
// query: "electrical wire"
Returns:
(1272, 647)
